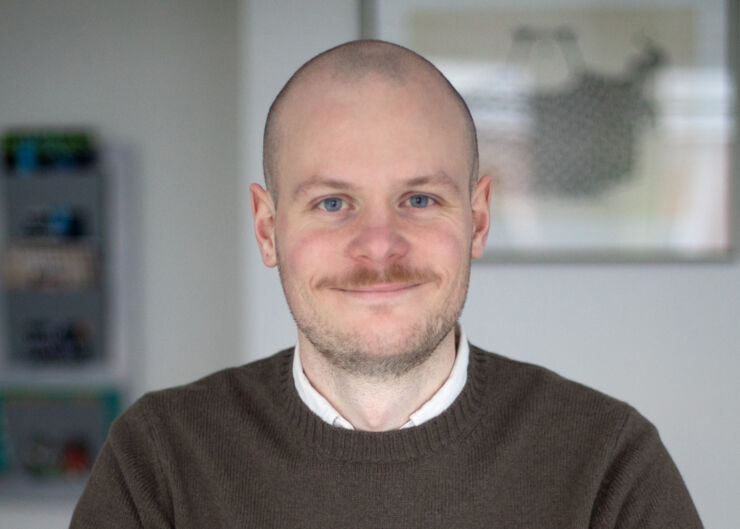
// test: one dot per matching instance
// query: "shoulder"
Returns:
(615, 454)
(546, 401)
(548, 414)
(218, 397)
(539, 382)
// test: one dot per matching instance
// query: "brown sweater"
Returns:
(520, 448)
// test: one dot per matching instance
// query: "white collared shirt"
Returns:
(438, 403)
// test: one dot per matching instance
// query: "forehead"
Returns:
(373, 129)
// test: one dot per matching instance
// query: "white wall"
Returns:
(662, 337)
(160, 81)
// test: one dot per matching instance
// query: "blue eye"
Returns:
(419, 201)
(331, 204)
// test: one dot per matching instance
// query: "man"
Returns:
(382, 415)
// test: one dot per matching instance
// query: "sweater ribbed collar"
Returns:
(436, 404)
(396, 445)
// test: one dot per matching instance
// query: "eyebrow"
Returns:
(320, 181)
(440, 179)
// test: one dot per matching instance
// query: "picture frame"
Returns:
(609, 128)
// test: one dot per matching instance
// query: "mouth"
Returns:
(380, 291)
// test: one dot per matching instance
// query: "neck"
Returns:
(374, 403)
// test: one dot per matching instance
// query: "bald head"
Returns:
(352, 63)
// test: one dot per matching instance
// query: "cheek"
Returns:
(307, 253)
(445, 247)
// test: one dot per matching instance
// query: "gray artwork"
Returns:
(583, 136)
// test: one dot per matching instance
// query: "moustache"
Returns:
(364, 277)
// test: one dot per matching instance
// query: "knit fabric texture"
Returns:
(520, 447)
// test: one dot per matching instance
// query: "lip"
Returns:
(381, 287)
(380, 291)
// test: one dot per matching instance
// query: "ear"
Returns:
(263, 212)
(481, 206)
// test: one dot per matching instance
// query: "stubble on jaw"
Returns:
(348, 353)
(371, 357)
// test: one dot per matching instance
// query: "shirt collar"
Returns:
(439, 402)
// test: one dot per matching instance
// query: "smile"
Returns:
(379, 291)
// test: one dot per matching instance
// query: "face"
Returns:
(375, 224)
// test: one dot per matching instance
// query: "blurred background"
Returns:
(174, 94)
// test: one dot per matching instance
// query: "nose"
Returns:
(378, 239)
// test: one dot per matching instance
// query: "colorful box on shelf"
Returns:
(47, 265)
(51, 436)
(48, 150)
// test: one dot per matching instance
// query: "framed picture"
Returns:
(608, 127)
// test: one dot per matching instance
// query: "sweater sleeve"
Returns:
(642, 487)
(127, 488)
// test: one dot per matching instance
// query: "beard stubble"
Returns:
(375, 355)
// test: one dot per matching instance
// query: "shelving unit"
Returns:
(59, 389)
